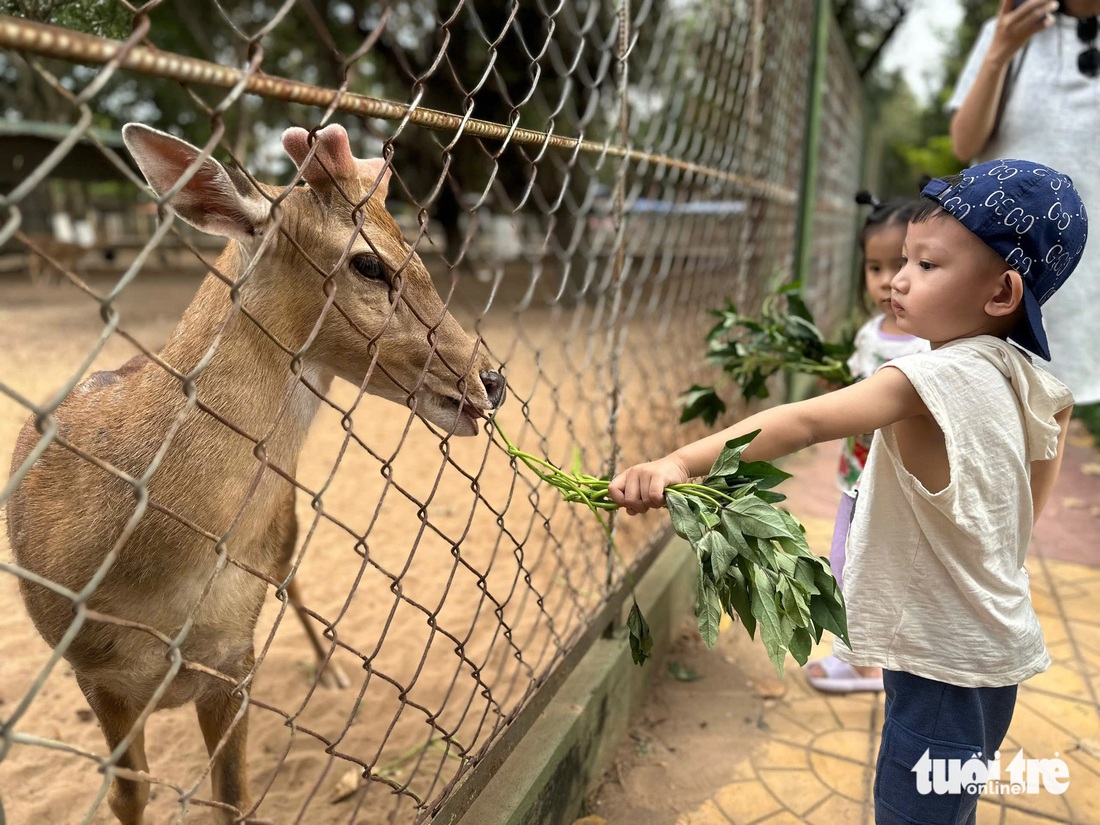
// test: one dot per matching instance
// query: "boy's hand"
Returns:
(642, 487)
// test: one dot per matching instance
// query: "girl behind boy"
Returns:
(878, 341)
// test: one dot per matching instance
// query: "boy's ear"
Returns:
(1009, 294)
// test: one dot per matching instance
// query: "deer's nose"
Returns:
(494, 386)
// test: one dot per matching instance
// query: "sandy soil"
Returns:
(506, 569)
(703, 709)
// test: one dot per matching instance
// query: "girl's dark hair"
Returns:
(891, 212)
(928, 208)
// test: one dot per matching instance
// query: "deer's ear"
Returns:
(214, 199)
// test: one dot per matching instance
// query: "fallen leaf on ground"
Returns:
(1090, 746)
(769, 688)
(347, 786)
(590, 820)
(1074, 503)
(682, 673)
(1092, 469)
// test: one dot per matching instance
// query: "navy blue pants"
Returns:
(948, 722)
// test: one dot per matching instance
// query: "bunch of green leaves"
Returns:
(751, 350)
(754, 562)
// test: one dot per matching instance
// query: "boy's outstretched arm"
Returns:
(1045, 473)
(881, 400)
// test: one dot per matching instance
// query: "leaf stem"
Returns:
(700, 490)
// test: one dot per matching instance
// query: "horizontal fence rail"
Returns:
(49, 41)
(266, 556)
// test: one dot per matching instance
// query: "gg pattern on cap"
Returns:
(1030, 215)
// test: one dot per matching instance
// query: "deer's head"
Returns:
(332, 236)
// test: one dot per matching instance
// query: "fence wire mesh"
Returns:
(568, 187)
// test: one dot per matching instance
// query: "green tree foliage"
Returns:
(91, 16)
(975, 13)
(511, 63)
(907, 138)
(868, 26)
(524, 63)
(26, 94)
(933, 155)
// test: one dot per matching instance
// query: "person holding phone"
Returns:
(1031, 88)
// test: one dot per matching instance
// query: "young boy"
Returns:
(968, 445)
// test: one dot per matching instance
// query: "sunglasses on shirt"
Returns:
(1088, 61)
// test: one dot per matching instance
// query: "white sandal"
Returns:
(840, 677)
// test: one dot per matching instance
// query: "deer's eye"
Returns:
(369, 267)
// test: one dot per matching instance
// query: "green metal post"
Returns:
(808, 189)
(814, 106)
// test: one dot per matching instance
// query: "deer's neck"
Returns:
(247, 381)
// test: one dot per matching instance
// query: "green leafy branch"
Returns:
(754, 562)
(751, 350)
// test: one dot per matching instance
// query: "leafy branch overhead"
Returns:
(754, 562)
(751, 350)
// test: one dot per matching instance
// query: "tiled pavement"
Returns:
(817, 764)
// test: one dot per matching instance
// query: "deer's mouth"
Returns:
(459, 416)
(467, 411)
(470, 411)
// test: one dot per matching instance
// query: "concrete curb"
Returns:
(543, 781)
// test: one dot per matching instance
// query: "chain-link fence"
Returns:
(567, 188)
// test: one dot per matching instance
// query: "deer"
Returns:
(48, 258)
(324, 286)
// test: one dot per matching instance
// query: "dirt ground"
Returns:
(509, 571)
(702, 710)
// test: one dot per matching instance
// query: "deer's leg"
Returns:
(286, 530)
(117, 717)
(35, 262)
(217, 708)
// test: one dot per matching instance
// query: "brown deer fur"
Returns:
(67, 514)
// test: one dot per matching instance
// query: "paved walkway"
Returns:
(814, 761)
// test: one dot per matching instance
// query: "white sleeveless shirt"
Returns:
(934, 582)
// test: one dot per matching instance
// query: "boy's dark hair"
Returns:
(928, 208)
(890, 212)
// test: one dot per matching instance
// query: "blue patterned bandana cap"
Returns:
(1031, 216)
